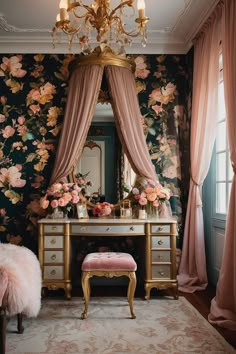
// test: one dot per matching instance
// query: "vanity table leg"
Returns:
(147, 291)
(68, 291)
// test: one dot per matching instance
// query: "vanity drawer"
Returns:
(108, 229)
(52, 228)
(53, 256)
(160, 229)
(161, 256)
(53, 272)
(53, 241)
(160, 242)
(161, 271)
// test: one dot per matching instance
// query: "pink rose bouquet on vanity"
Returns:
(102, 209)
(151, 196)
(148, 191)
(63, 196)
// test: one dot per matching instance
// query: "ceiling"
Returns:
(25, 26)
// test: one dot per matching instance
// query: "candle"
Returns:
(63, 14)
(142, 214)
(141, 8)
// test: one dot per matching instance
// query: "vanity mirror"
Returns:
(103, 161)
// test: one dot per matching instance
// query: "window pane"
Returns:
(221, 102)
(230, 170)
(221, 198)
(221, 136)
(221, 167)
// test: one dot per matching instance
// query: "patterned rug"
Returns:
(162, 326)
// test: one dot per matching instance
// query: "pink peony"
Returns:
(54, 203)
(143, 201)
(8, 131)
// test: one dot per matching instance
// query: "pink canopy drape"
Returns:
(128, 119)
(223, 306)
(192, 271)
(83, 93)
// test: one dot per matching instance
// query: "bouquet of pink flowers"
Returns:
(83, 183)
(150, 192)
(61, 195)
(102, 209)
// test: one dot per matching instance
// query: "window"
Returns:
(224, 171)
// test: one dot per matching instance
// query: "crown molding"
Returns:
(168, 40)
(196, 27)
(25, 45)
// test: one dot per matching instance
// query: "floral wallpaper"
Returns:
(33, 91)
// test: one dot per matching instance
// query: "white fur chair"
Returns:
(20, 286)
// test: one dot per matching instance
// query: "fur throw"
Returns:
(20, 278)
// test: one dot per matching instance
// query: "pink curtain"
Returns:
(82, 98)
(223, 306)
(192, 271)
(128, 120)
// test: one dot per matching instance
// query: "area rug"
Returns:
(163, 326)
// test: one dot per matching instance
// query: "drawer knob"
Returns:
(160, 257)
(131, 228)
(160, 242)
(53, 257)
(53, 272)
(83, 228)
(53, 241)
(54, 227)
(108, 229)
(162, 273)
(159, 228)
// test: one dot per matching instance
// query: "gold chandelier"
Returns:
(78, 20)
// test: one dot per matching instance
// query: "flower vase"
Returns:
(58, 214)
(152, 212)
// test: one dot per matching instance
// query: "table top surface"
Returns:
(114, 220)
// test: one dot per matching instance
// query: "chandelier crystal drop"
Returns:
(78, 20)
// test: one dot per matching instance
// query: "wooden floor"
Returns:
(201, 300)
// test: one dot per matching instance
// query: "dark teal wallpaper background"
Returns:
(33, 91)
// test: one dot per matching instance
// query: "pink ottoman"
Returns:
(108, 264)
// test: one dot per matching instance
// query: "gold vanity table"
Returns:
(159, 252)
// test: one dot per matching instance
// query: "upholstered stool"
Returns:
(108, 264)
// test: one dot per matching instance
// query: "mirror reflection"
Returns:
(103, 161)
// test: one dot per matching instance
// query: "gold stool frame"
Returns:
(86, 275)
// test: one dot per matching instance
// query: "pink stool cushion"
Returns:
(105, 261)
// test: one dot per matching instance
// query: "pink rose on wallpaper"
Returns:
(158, 109)
(3, 212)
(47, 89)
(13, 65)
(2, 118)
(156, 95)
(35, 207)
(21, 120)
(179, 111)
(8, 131)
(35, 108)
(141, 67)
(34, 94)
(11, 177)
(3, 99)
(169, 89)
(44, 203)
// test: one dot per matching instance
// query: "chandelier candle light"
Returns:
(77, 20)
